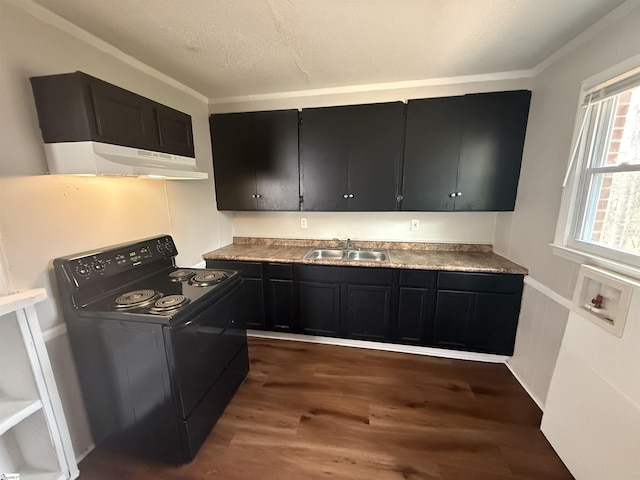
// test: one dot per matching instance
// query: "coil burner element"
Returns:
(136, 299)
(181, 275)
(207, 279)
(169, 303)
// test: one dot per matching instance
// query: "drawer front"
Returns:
(280, 271)
(246, 269)
(418, 278)
(480, 282)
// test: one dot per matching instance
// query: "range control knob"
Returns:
(98, 266)
(165, 246)
(83, 270)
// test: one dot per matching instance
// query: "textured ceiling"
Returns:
(224, 48)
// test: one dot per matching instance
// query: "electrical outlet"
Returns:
(303, 223)
(415, 225)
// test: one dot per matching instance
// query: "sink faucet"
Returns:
(349, 243)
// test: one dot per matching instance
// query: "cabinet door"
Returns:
(350, 157)
(275, 158)
(431, 153)
(494, 326)
(174, 130)
(368, 310)
(280, 299)
(413, 314)
(375, 152)
(324, 158)
(319, 308)
(234, 173)
(454, 312)
(494, 126)
(122, 117)
(253, 311)
(253, 303)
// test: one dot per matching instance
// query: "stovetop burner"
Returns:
(168, 303)
(136, 299)
(181, 275)
(207, 279)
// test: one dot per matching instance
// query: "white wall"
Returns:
(540, 330)
(459, 227)
(592, 417)
(524, 235)
(43, 216)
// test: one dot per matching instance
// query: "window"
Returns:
(603, 211)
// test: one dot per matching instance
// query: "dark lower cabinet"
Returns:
(454, 313)
(415, 308)
(475, 312)
(253, 311)
(368, 312)
(319, 308)
(349, 302)
(280, 298)
(413, 312)
(495, 322)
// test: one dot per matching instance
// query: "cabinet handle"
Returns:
(458, 194)
(260, 196)
(351, 195)
(452, 195)
(345, 196)
(253, 195)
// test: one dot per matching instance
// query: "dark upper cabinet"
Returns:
(255, 160)
(464, 153)
(77, 107)
(350, 157)
(174, 130)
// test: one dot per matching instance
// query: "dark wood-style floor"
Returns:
(309, 411)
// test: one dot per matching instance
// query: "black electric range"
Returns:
(160, 350)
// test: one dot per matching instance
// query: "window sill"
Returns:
(579, 256)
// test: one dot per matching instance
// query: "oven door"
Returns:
(203, 347)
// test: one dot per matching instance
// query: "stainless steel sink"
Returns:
(368, 255)
(326, 253)
(365, 255)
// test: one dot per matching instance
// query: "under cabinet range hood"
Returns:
(92, 127)
(97, 158)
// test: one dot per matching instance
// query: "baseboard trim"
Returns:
(53, 332)
(533, 396)
(387, 347)
(88, 450)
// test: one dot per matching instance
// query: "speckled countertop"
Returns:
(409, 255)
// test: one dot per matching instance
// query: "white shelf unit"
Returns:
(34, 438)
